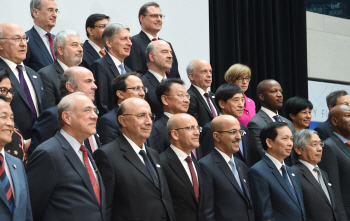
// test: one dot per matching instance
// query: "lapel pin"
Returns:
(97, 135)
(293, 174)
(34, 76)
(14, 166)
(42, 88)
(213, 97)
(239, 168)
(329, 184)
(244, 180)
(96, 170)
(157, 165)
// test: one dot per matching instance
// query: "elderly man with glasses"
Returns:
(319, 199)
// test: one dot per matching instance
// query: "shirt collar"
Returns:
(156, 75)
(150, 36)
(95, 46)
(168, 114)
(115, 60)
(134, 145)
(3, 153)
(341, 137)
(179, 153)
(11, 64)
(270, 113)
(308, 165)
(64, 67)
(71, 140)
(226, 158)
(275, 161)
(40, 31)
(200, 90)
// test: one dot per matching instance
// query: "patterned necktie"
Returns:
(277, 118)
(194, 177)
(150, 168)
(91, 173)
(321, 182)
(102, 52)
(285, 177)
(51, 45)
(122, 69)
(25, 88)
(206, 95)
(6, 184)
(235, 173)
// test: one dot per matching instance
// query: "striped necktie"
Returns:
(6, 184)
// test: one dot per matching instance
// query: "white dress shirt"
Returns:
(136, 148)
(96, 47)
(168, 114)
(8, 174)
(158, 76)
(270, 113)
(150, 36)
(44, 37)
(201, 91)
(226, 158)
(63, 66)
(278, 166)
(182, 157)
(13, 68)
(116, 62)
(310, 167)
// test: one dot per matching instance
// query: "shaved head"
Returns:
(263, 86)
(340, 119)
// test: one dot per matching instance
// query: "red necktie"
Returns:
(102, 52)
(91, 173)
(348, 144)
(206, 95)
(154, 39)
(194, 177)
(51, 45)
(6, 183)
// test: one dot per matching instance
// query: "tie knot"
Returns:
(232, 163)
(142, 153)
(154, 39)
(316, 169)
(277, 118)
(188, 159)
(102, 52)
(48, 34)
(19, 67)
(206, 94)
(83, 149)
(348, 143)
(283, 167)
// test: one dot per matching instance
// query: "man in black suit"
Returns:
(64, 182)
(174, 99)
(202, 106)
(93, 47)
(271, 99)
(69, 53)
(181, 170)
(336, 154)
(123, 87)
(151, 21)
(29, 99)
(226, 191)
(136, 187)
(333, 99)
(73, 79)
(40, 51)
(117, 41)
(230, 100)
(319, 200)
(159, 59)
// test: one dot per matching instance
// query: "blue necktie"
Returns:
(277, 118)
(235, 173)
(285, 177)
(122, 69)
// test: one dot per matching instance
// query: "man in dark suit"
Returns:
(123, 87)
(333, 99)
(230, 100)
(73, 79)
(276, 189)
(93, 48)
(319, 199)
(226, 191)
(202, 106)
(29, 99)
(181, 170)
(174, 99)
(151, 21)
(63, 180)
(131, 170)
(116, 40)
(159, 59)
(40, 51)
(14, 192)
(271, 99)
(69, 53)
(336, 154)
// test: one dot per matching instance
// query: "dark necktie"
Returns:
(91, 173)
(277, 118)
(150, 168)
(194, 178)
(122, 69)
(154, 39)
(206, 95)
(285, 177)
(102, 52)
(6, 184)
(51, 45)
(25, 88)
(321, 182)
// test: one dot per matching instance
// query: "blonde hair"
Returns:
(235, 71)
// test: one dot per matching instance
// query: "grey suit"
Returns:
(51, 76)
(260, 120)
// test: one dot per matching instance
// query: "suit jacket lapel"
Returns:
(341, 145)
(329, 189)
(91, 50)
(200, 98)
(15, 180)
(144, 37)
(112, 65)
(39, 42)
(33, 76)
(243, 180)
(265, 116)
(58, 68)
(153, 80)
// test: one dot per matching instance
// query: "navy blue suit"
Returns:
(272, 198)
(151, 82)
(223, 198)
(19, 104)
(105, 72)
(22, 209)
(37, 54)
(137, 59)
(107, 126)
(324, 130)
(90, 55)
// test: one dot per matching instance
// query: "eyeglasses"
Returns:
(18, 39)
(103, 26)
(5, 91)
(52, 11)
(191, 128)
(138, 88)
(143, 116)
(182, 96)
(240, 79)
(315, 144)
(233, 132)
(156, 16)
(90, 110)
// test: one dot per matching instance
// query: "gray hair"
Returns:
(1, 35)
(111, 31)
(150, 49)
(67, 77)
(301, 136)
(66, 105)
(34, 4)
(333, 97)
(61, 39)
(190, 67)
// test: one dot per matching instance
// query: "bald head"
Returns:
(199, 72)
(9, 49)
(270, 94)
(159, 56)
(340, 119)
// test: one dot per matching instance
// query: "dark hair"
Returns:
(144, 9)
(270, 131)
(164, 86)
(92, 19)
(296, 104)
(2, 97)
(4, 74)
(225, 92)
(333, 97)
(118, 84)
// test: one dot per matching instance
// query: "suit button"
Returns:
(164, 218)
